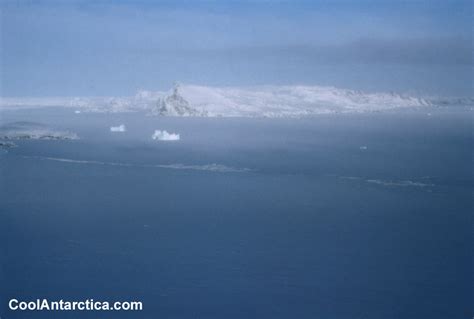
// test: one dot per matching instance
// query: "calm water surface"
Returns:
(340, 216)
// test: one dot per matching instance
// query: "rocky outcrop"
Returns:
(174, 105)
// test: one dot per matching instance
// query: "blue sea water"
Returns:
(338, 216)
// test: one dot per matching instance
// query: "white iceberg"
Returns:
(120, 128)
(165, 136)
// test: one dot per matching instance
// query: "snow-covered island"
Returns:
(4, 144)
(259, 101)
(33, 131)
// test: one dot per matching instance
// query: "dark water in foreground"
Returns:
(317, 228)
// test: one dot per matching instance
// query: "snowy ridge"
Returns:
(291, 101)
(259, 101)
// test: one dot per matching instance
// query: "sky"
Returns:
(114, 48)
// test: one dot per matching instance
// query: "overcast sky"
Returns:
(49, 48)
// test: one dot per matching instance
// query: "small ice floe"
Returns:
(218, 168)
(208, 167)
(363, 148)
(429, 114)
(77, 112)
(120, 128)
(399, 183)
(165, 136)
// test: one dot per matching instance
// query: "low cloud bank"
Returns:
(120, 128)
(165, 136)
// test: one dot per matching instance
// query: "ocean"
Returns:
(337, 216)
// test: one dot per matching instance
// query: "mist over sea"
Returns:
(338, 216)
